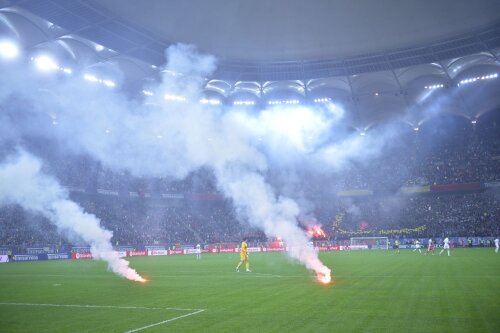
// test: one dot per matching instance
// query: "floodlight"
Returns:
(8, 49)
(45, 63)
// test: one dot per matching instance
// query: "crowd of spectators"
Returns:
(416, 159)
(147, 222)
(473, 214)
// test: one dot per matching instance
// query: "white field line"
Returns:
(98, 306)
(165, 321)
(194, 311)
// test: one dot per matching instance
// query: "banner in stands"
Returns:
(171, 252)
(107, 192)
(38, 250)
(137, 253)
(415, 189)
(121, 254)
(57, 256)
(172, 196)
(26, 257)
(455, 187)
(4, 258)
(154, 247)
(123, 248)
(253, 249)
(80, 249)
(274, 249)
(157, 253)
(228, 250)
(355, 193)
(492, 184)
(81, 255)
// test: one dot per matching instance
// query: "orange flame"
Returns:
(324, 278)
(315, 231)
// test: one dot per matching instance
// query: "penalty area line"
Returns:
(165, 321)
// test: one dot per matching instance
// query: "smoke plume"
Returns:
(23, 183)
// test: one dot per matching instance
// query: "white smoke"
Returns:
(174, 138)
(23, 183)
(275, 215)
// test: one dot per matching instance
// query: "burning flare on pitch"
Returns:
(324, 277)
(116, 264)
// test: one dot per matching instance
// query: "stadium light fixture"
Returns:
(362, 133)
(109, 83)
(95, 79)
(474, 121)
(416, 129)
(175, 98)
(210, 101)
(90, 78)
(147, 93)
(8, 49)
(45, 63)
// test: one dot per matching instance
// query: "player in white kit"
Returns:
(446, 246)
(497, 245)
(417, 246)
(198, 251)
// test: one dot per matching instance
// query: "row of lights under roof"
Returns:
(93, 78)
(246, 103)
(478, 78)
(322, 100)
(176, 98)
(286, 101)
(44, 63)
(47, 64)
(435, 86)
(9, 50)
(210, 101)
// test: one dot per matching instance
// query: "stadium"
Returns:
(262, 166)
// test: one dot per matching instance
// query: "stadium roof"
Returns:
(292, 30)
(373, 57)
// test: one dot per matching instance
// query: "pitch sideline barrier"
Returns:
(143, 253)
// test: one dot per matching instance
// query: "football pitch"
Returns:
(373, 291)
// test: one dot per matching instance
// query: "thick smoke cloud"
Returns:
(23, 183)
(159, 137)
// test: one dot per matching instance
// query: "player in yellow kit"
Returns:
(243, 256)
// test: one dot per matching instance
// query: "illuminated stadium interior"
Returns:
(301, 129)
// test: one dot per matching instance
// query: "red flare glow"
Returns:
(324, 278)
(315, 231)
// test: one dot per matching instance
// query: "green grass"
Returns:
(373, 292)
